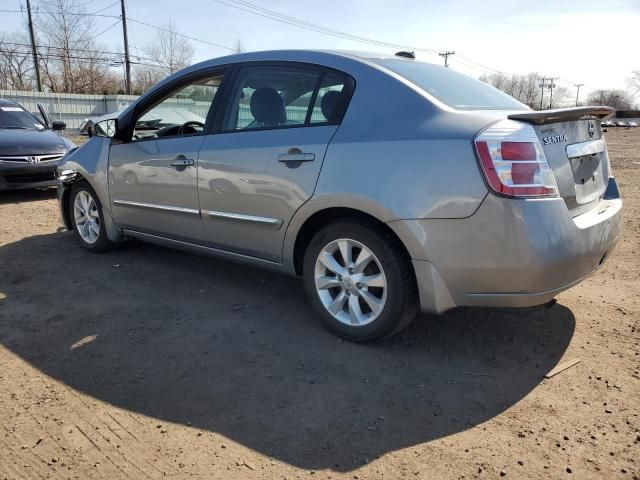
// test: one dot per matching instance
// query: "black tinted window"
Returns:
(452, 88)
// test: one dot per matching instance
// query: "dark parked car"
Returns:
(29, 148)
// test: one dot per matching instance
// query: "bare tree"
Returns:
(618, 99)
(524, 88)
(527, 89)
(16, 63)
(144, 77)
(559, 98)
(72, 61)
(170, 50)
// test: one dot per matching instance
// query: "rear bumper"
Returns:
(17, 177)
(510, 253)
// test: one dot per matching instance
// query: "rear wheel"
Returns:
(87, 218)
(359, 280)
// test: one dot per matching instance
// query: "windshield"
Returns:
(14, 116)
(452, 88)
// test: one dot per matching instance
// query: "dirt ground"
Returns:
(150, 363)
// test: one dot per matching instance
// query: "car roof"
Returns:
(297, 54)
(338, 59)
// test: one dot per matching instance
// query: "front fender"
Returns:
(90, 163)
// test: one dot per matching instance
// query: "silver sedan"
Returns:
(390, 185)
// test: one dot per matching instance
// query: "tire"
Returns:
(91, 233)
(374, 305)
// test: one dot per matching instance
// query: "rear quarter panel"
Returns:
(398, 155)
(398, 149)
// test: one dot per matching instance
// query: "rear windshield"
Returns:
(452, 88)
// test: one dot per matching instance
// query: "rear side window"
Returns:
(267, 97)
(330, 100)
(452, 88)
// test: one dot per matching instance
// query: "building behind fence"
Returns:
(67, 107)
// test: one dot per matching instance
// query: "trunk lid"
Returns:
(576, 152)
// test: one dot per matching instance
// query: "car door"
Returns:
(263, 162)
(153, 175)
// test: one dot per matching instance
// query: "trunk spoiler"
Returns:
(563, 115)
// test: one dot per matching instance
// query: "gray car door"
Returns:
(153, 177)
(264, 162)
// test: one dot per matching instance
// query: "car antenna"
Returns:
(405, 54)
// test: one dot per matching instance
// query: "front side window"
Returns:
(280, 96)
(183, 112)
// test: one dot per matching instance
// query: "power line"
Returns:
(195, 39)
(297, 22)
(110, 56)
(86, 3)
(59, 56)
(108, 52)
(73, 14)
(107, 7)
(107, 29)
(181, 34)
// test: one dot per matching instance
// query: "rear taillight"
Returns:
(513, 162)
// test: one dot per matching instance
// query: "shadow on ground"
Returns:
(235, 350)
(30, 195)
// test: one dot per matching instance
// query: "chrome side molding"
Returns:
(155, 206)
(272, 222)
(275, 223)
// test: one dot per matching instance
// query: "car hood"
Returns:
(31, 142)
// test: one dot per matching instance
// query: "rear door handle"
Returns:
(296, 155)
(182, 161)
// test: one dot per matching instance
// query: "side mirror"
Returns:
(58, 126)
(105, 128)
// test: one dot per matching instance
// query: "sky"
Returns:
(581, 41)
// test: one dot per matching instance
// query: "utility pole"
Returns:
(542, 91)
(578, 91)
(551, 86)
(127, 61)
(34, 50)
(446, 57)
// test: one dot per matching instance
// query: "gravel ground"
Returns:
(148, 362)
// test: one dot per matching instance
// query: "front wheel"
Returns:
(87, 218)
(360, 281)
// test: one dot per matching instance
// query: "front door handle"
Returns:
(296, 155)
(181, 161)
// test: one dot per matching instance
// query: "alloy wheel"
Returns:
(86, 216)
(350, 282)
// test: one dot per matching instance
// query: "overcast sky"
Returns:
(594, 42)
